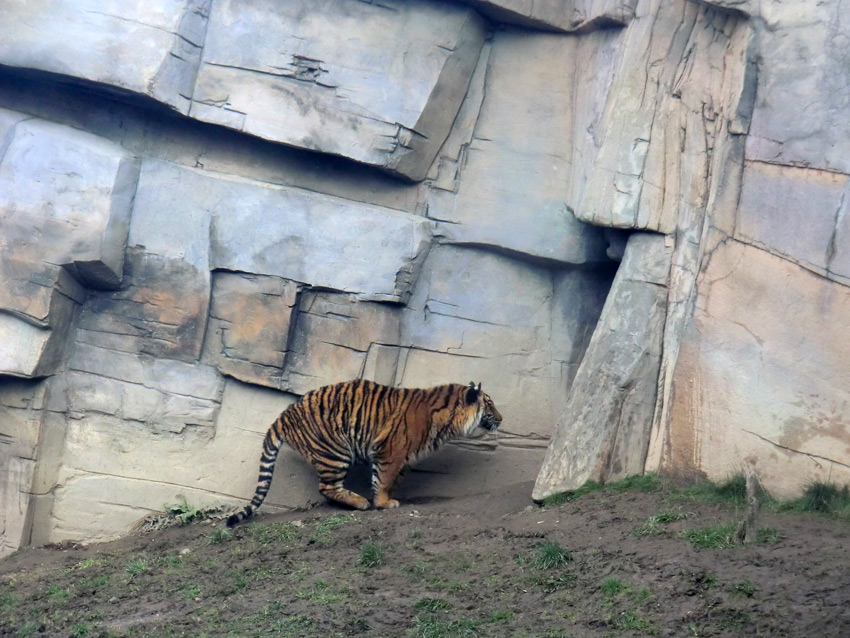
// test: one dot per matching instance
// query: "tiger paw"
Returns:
(384, 504)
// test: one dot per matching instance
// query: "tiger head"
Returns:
(487, 418)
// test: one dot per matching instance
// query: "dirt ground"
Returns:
(612, 562)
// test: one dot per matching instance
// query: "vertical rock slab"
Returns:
(71, 190)
(604, 431)
(515, 171)
(149, 47)
(751, 386)
(318, 79)
(249, 326)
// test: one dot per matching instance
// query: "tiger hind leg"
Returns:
(336, 492)
(385, 478)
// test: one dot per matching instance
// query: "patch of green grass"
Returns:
(371, 554)
(7, 602)
(551, 555)
(744, 588)
(219, 536)
(57, 595)
(612, 587)
(653, 524)
(767, 536)
(80, 629)
(427, 625)
(192, 591)
(323, 533)
(136, 566)
(29, 628)
(630, 621)
(274, 533)
(501, 616)
(649, 482)
(715, 537)
(732, 491)
(432, 604)
(823, 498)
(321, 593)
(182, 510)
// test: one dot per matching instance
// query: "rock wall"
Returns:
(208, 209)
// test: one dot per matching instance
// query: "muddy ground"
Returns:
(612, 562)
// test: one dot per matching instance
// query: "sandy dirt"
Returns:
(490, 565)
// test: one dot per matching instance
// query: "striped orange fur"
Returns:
(335, 426)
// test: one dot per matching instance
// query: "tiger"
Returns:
(336, 426)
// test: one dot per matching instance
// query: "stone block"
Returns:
(100, 496)
(335, 336)
(804, 52)
(151, 48)
(460, 326)
(166, 375)
(317, 79)
(513, 188)
(559, 15)
(74, 192)
(34, 329)
(295, 234)
(249, 326)
(21, 417)
(796, 212)
(751, 386)
(603, 432)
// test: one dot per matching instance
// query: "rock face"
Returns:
(209, 208)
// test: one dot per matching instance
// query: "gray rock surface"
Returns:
(559, 15)
(603, 432)
(316, 79)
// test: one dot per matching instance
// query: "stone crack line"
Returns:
(790, 449)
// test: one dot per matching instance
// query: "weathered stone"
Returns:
(559, 15)
(35, 318)
(285, 232)
(71, 190)
(751, 388)
(604, 431)
(249, 326)
(795, 212)
(20, 427)
(176, 377)
(513, 187)
(808, 55)
(460, 326)
(149, 47)
(321, 83)
(98, 496)
(646, 164)
(334, 338)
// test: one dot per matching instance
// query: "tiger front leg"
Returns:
(332, 473)
(385, 477)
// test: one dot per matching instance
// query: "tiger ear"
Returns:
(472, 392)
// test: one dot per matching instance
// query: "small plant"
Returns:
(136, 566)
(649, 482)
(321, 593)
(371, 554)
(550, 555)
(432, 604)
(192, 592)
(714, 537)
(183, 511)
(744, 588)
(80, 629)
